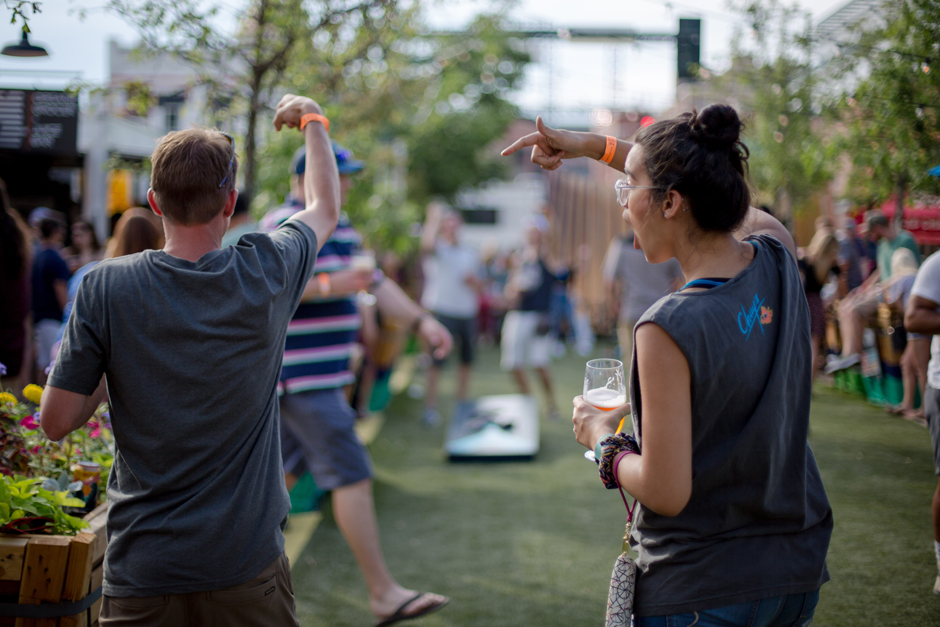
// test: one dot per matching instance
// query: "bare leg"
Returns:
(908, 378)
(430, 394)
(290, 480)
(921, 349)
(935, 509)
(523, 383)
(354, 511)
(463, 381)
(546, 377)
(851, 326)
(814, 350)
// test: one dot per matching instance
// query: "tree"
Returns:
(418, 106)
(779, 91)
(245, 69)
(890, 102)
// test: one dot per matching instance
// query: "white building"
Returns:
(111, 133)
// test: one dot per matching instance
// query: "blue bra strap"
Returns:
(706, 283)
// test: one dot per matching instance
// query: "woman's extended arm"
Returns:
(661, 477)
(550, 146)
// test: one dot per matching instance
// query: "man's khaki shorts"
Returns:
(268, 599)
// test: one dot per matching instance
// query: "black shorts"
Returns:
(463, 330)
(932, 411)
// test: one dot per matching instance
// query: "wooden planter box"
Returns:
(36, 569)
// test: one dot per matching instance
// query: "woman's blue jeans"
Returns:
(792, 610)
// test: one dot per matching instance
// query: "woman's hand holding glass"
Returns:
(591, 423)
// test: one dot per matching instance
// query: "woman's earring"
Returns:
(664, 214)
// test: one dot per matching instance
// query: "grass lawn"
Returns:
(532, 544)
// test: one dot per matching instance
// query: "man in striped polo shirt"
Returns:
(316, 420)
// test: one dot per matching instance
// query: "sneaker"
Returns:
(431, 417)
(936, 586)
(834, 365)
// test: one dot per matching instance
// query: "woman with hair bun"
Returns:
(733, 523)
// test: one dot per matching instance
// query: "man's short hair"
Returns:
(187, 174)
(875, 218)
(49, 227)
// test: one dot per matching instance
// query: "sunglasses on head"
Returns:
(228, 170)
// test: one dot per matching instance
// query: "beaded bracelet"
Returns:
(610, 447)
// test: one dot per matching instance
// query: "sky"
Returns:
(566, 75)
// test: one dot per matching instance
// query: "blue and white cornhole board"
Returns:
(494, 428)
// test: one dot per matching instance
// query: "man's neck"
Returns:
(240, 219)
(191, 242)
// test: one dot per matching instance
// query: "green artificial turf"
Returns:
(533, 544)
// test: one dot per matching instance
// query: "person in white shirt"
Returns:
(922, 315)
(451, 292)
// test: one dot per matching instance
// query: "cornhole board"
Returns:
(494, 428)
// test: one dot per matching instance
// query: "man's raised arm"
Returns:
(321, 179)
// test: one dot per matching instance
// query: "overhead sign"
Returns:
(38, 121)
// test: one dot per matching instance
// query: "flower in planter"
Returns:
(33, 393)
(3, 369)
(7, 399)
(30, 422)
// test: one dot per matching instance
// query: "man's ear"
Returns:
(229, 208)
(152, 200)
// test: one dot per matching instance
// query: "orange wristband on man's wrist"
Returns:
(609, 150)
(314, 117)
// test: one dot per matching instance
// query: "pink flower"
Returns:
(36, 449)
(30, 422)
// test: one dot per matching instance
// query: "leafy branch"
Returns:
(18, 9)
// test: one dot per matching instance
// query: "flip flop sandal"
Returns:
(399, 614)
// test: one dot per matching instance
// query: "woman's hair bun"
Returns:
(716, 126)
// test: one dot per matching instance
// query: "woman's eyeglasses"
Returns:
(228, 170)
(623, 190)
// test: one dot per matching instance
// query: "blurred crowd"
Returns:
(858, 276)
(44, 259)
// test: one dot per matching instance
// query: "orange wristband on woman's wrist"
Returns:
(609, 150)
(314, 117)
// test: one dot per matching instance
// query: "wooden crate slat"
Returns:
(12, 553)
(43, 575)
(78, 574)
(97, 578)
(98, 527)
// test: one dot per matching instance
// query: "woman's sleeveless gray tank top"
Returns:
(758, 522)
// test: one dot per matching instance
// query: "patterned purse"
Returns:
(623, 578)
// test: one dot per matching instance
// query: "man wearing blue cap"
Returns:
(317, 422)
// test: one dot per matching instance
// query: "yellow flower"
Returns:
(6, 397)
(33, 393)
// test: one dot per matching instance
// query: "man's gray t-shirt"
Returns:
(641, 283)
(192, 352)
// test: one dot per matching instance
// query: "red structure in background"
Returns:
(922, 219)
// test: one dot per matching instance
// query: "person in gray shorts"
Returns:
(317, 425)
(189, 342)
(453, 281)
(923, 316)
